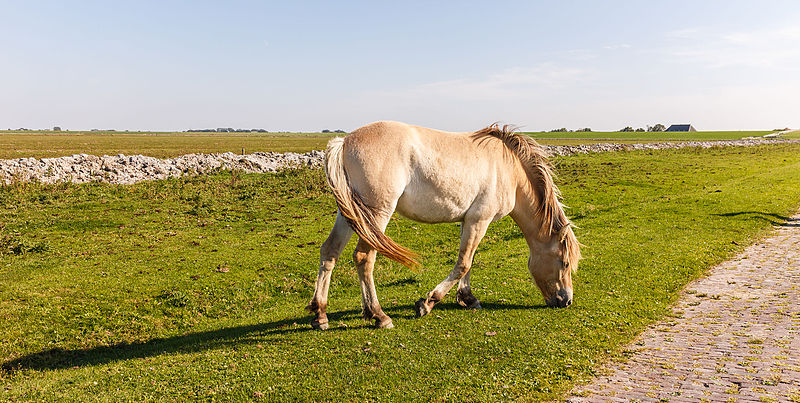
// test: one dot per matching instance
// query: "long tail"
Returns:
(360, 216)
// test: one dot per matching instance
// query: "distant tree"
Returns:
(56, 128)
(326, 131)
(585, 129)
(339, 131)
(658, 127)
(563, 129)
(626, 129)
(640, 129)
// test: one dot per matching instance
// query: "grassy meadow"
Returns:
(194, 288)
(41, 144)
(649, 136)
(161, 145)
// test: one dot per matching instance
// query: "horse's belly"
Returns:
(432, 207)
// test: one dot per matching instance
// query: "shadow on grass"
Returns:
(59, 358)
(774, 219)
(492, 306)
(401, 282)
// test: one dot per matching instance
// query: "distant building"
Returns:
(681, 128)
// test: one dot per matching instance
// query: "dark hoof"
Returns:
(421, 308)
(468, 301)
(320, 324)
(384, 323)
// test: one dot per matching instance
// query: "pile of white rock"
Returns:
(128, 169)
(603, 147)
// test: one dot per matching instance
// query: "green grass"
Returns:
(15, 144)
(161, 145)
(649, 136)
(194, 288)
(791, 135)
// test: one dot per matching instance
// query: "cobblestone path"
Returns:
(735, 336)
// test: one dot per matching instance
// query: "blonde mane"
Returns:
(539, 171)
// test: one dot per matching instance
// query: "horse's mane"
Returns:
(539, 171)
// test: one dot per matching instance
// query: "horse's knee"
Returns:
(328, 251)
(360, 257)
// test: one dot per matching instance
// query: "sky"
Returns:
(452, 65)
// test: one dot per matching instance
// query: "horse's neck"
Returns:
(523, 214)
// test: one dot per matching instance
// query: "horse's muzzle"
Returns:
(561, 299)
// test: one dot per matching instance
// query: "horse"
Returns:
(434, 176)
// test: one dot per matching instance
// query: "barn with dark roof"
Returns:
(681, 128)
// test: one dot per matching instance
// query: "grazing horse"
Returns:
(433, 176)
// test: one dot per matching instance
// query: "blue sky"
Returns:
(307, 66)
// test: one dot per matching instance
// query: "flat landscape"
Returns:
(194, 288)
(41, 144)
(164, 201)
(651, 136)
(161, 144)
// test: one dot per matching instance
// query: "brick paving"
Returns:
(735, 336)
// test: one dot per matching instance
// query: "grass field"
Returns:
(649, 136)
(194, 288)
(167, 144)
(161, 145)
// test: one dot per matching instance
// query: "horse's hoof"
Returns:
(384, 324)
(421, 308)
(468, 301)
(319, 325)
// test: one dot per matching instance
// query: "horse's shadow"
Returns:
(772, 218)
(59, 358)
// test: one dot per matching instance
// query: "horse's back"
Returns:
(431, 175)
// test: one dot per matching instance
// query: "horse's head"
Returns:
(551, 265)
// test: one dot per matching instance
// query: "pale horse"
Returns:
(434, 176)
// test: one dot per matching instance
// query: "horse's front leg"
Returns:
(472, 232)
(329, 252)
(464, 295)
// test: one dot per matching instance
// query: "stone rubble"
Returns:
(129, 169)
(605, 147)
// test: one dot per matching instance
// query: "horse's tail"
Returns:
(360, 216)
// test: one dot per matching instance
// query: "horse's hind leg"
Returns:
(364, 257)
(329, 253)
(472, 232)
